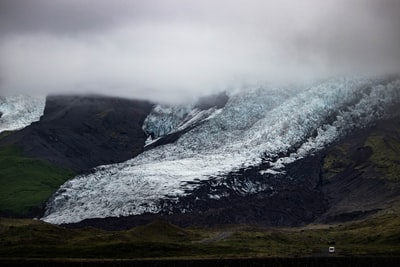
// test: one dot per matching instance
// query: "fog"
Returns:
(175, 50)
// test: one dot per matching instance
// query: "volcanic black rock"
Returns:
(82, 132)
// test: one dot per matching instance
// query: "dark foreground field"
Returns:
(267, 262)
(372, 242)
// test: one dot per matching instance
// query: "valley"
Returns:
(29, 239)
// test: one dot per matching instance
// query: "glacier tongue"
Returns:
(19, 111)
(256, 125)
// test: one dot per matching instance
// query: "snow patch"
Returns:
(19, 111)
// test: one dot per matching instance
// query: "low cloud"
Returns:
(175, 50)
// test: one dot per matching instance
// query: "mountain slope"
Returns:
(271, 156)
(251, 151)
(80, 132)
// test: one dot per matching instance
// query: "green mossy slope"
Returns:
(26, 183)
(386, 156)
(376, 152)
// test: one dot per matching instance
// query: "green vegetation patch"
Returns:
(26, 183)
(335, 161)
(5, 133)
(386, 155)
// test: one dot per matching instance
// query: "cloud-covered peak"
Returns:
(174, 50)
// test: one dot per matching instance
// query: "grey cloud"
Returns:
(169, 50)
(62, 17)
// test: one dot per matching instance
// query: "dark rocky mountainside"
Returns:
(82, 132)
(361, 174)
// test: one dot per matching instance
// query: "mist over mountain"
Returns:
(173, 51)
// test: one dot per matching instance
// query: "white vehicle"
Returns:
(331, 249)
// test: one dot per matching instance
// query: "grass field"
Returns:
(26, 183)
(23, 238)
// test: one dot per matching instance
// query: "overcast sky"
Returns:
(171, 50)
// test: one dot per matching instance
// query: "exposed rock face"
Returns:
(82, 132)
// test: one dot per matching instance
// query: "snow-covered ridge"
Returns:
(256, 125)
(164, 119)
(19, 111)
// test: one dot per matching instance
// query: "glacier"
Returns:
(19, 111)
(256, 126)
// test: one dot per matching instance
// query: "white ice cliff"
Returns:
(19, 111)
(258, 124)
(164, 119)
